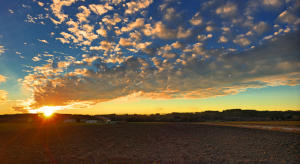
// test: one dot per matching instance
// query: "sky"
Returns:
(149, 56)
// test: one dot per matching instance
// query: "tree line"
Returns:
(226, 115)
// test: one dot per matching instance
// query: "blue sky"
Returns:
(86, 55)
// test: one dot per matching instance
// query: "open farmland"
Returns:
(144, 143)
(283, 126)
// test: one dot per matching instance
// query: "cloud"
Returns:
(210, 74)
(171, 14)
(261, 27)
(57, 6)
(123, 49)
(36, 58)
(204, 37)
(67, 38)
(11, 11)
(82, 17)
(182, 33)
(2, 50)
(139, 22)
(40, 4)
(288, 17)
(229, 9)
(160, 30)
(241, 40)
(126, 42)
(272, 3)
(223, 39)
(101, 31)
(196, 20)
(209, 28)
(100, 9)
(2, 78)
(111, 21)
(135, 6)
(104, 45)
(177, 45)
(136, 35)
(82, 34)
(62, 40)
(3, 96)
(43, 41)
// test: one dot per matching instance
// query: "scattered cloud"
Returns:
(3, 96)
(288, 17)
(196, 20)
(273, 3)
(57, 6)
(139, 22)
(11, 11)
(40, 3)
(100, 9)
(101, 31)
(82, 16)
(229, 9)
(104, 45)
(177, 45)
(209, 77)
(135, 6)
(209, 28)
(2, 50)
(241, 40)
(126, 42)
(223, 39)
(2, 78)
(36, 58)
(170, 14)
(161, 31)
(43, 41)
(117, 48)
(261, 27)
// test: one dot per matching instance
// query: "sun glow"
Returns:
(46, 110)
(48, 113)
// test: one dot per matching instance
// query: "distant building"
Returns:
(103, 119)
(91, 121)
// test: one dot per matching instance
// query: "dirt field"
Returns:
(145, 143)
(283, 126)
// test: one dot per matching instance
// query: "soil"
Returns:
(147, 143)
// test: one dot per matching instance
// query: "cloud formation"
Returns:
(57, 9)
(135, 6)
(2, 78)
(228, 9)
(159, 49)
(3, 94)
(2, 50)
(275, 63)
(273, 3)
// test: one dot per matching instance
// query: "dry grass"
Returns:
(283, 126)
(279, 123)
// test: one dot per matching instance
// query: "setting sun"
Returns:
(48, 113)
(49, 110)
(46, 110)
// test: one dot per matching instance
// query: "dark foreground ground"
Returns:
(145, 143)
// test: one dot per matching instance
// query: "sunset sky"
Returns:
(149, 56)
